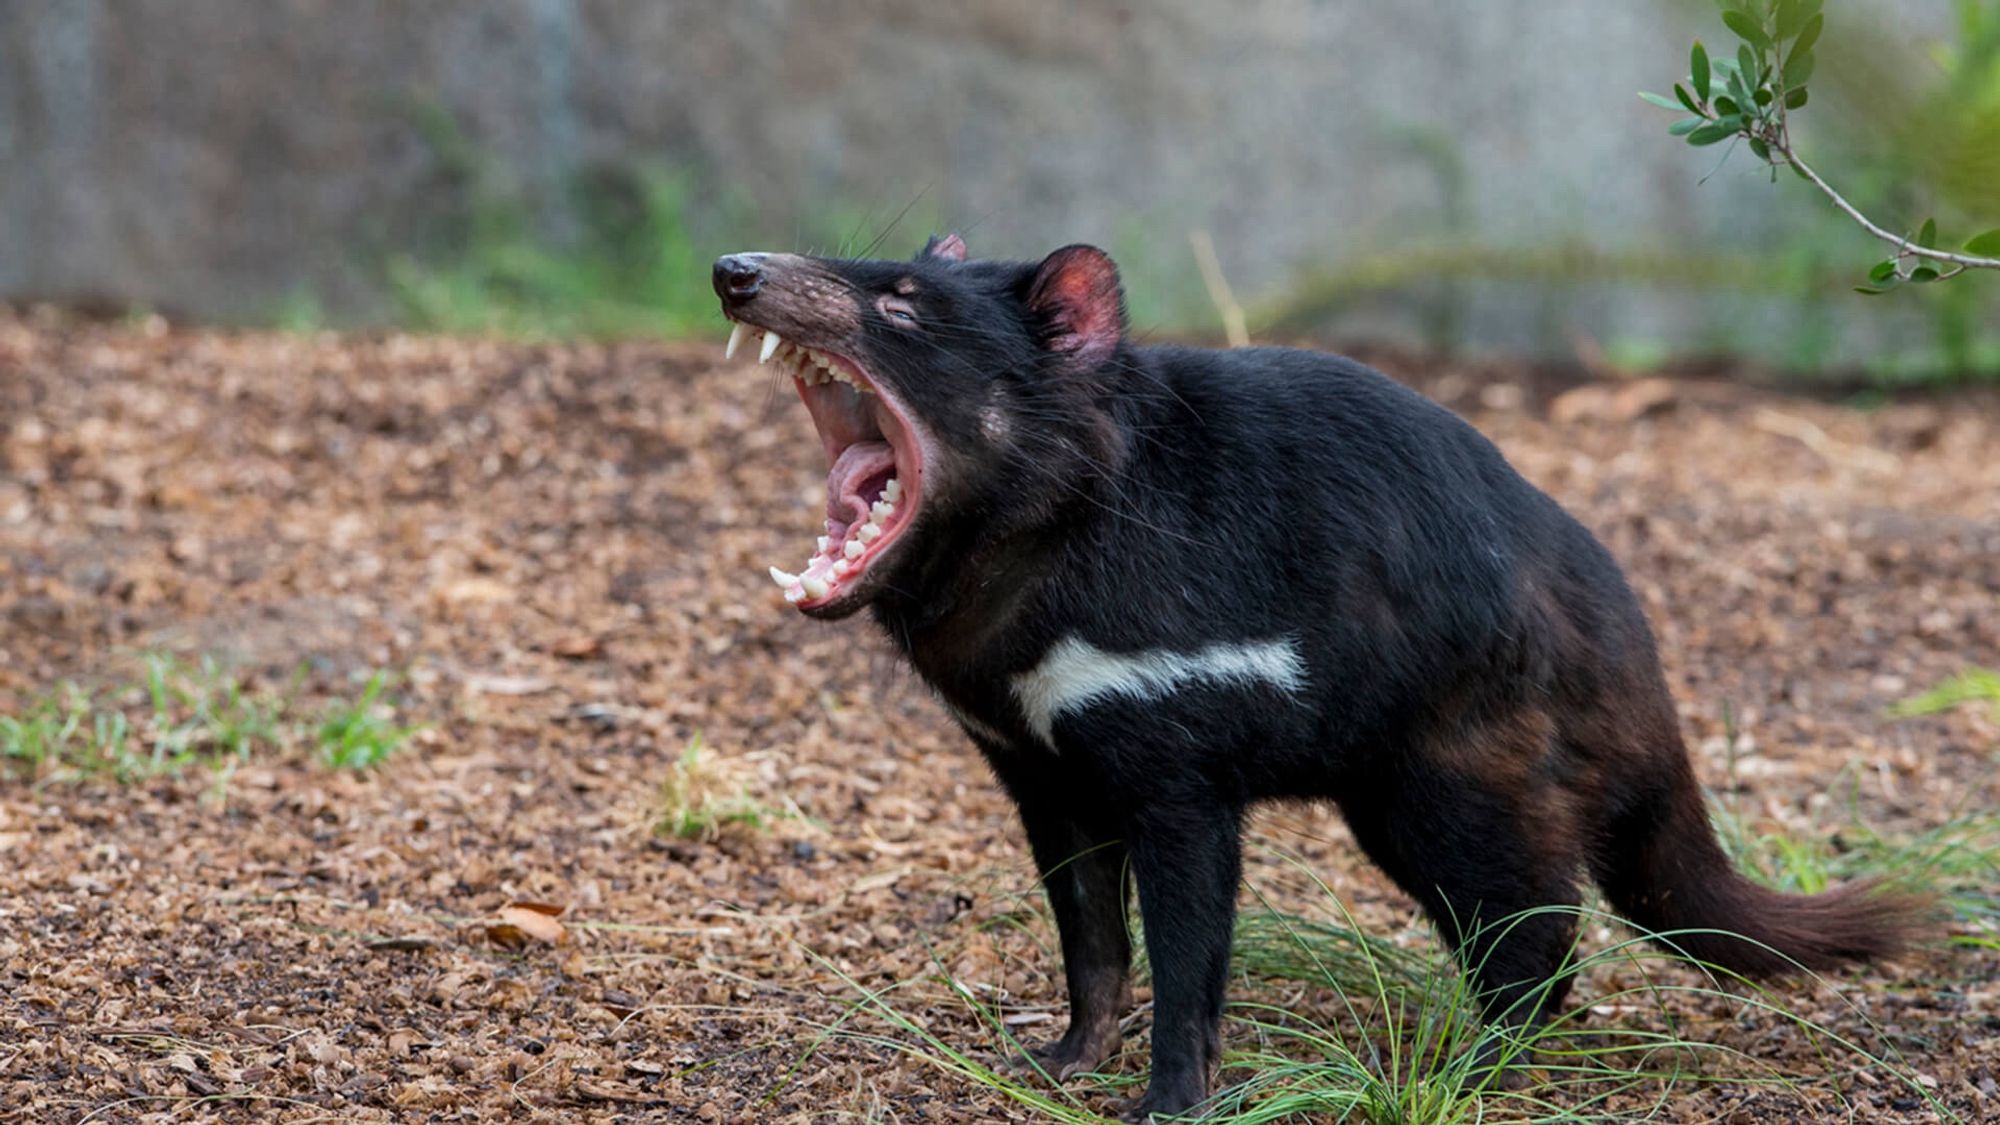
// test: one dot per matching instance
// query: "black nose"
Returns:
(738, 277)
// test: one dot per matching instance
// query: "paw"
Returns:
(1069, 1056)
(1161, 1106)
(1144, 1112)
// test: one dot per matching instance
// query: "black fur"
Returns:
(1481, 697)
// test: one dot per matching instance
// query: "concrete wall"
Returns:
(211, 156)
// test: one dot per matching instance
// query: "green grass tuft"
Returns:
(700, 797)
(1974, 685)
(361, 733)
(177, 716)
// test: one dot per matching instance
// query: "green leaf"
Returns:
(1712, 132)
(1798, 69)
(1985, 245)
(1865, 291)
(1762, 150)
(1922, 274)
(1686, 98)
(1748, 30)
(1727, 106)
(1663, 103)
(1791, 17)
(1698, 66)
(1763, 95)
(1685, 126)
(1747, 66)
(1795, 98)
(1738, 92)
(1927, 235)
(1882, 271)
(1808, 35)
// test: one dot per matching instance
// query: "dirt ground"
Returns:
(563, 550)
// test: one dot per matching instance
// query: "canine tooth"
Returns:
(737, 335)
(893, 491)
(781, 578)
(796, 594)
(882, 510)
(771, 342)
(869, 532)
(814, 586)
(853, 548)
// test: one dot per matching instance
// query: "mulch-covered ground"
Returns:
(562, 550)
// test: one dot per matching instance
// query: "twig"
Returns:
(1865, 457)
(1781, 144)
(1234, 327)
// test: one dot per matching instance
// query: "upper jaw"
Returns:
(877, 458)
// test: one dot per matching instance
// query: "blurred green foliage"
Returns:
(1752, 95)
(1920, 135)
(632, 266)
(1905, 128)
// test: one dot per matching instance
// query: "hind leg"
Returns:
(1492, 868)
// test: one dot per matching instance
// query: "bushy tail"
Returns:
(1662, 866)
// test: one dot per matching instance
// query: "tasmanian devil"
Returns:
(1156, 584)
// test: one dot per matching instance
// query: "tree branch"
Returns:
(1781, 144)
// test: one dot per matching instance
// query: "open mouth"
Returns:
(875, 469)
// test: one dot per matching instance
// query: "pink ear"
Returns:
(950, 247)
(1076, 292)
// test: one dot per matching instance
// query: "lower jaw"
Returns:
(835, 582)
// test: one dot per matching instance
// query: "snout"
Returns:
(738, 277)
(804, 300)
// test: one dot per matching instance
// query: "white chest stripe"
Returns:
(1074, 674)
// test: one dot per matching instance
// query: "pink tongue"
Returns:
(855, 465)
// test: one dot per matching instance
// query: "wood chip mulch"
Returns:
(562, 549)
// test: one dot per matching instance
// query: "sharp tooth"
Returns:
(771, 342)
(893, 491)
(796, 594)
(824, 542)
(882, 510)
(781, 578)
(814, 586)
(869, 532)
(853, 548)
(737, 335)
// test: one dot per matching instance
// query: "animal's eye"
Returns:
(898, 311)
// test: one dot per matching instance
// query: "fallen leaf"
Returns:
(511, 938)
(521, 922)
(548, 908)
(578, 648)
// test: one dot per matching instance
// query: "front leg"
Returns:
(1084, 874)
(1187, 859)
